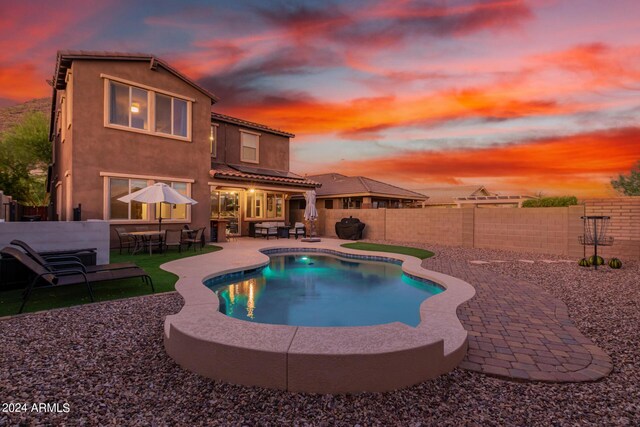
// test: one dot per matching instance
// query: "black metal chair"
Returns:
(173, 238)
(125, 239)
(196, 240)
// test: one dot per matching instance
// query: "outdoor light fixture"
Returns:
(252, 190)
(135, 107)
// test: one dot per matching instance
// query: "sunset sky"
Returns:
(521, 96)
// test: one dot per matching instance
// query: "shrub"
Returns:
(551, 202)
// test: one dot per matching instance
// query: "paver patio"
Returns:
(519, 331)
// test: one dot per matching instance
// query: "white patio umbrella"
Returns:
(158, 193)
(310, 211)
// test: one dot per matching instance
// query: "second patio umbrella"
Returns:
(158, 193)
(310, 212)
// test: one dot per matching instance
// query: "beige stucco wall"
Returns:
(538, 230)
(273, 149)
(91, 148)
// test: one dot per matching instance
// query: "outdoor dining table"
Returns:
(144, 237)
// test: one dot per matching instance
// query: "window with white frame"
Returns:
(119, 187)
(147, 110)
(128, 106)
(63, 119)
(171, 115)
(261, 204)
(250, 146)
(213, 140)
(169, 211)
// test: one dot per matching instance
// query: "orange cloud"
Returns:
(363, 118)
(582, 163)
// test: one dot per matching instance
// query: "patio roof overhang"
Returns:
(226, 176)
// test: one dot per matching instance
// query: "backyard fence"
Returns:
(539, 230)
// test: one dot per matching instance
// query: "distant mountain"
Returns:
(13, 114)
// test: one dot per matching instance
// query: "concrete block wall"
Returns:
(624, 225)
(539, 230)
(574, 230)
(60, 235)
(442, 226)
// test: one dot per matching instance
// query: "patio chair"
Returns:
(297, 230)
(125, 239)
(73, 276)
(197, 239)
(67, 261)
(173, 238)
(148, 242)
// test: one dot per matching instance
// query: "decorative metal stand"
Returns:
(595, 234)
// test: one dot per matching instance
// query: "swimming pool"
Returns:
(315, 289)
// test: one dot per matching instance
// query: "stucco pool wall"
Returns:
(310, 359)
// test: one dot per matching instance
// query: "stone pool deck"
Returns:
(519, 331)
(516, 330)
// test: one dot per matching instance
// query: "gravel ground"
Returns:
(108, 363)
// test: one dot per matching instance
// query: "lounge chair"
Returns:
(67, 261)
(196, 240)
(72, 276)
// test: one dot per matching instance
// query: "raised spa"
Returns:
(323, 290)
(317, 317)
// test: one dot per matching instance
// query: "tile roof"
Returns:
(335, 184)
(66, 57)
(448, 195)
(252, 125)
(224, 171)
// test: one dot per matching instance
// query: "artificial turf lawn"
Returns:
(405, 250)
(66, 296)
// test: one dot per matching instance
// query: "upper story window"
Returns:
(213, 140)
(143, 109)
(128, 106)
(171, 115)
(250, 146)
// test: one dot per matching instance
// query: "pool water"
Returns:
(324, 290)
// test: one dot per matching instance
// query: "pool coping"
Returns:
(310, 359)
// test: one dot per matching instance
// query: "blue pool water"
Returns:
(324, 290)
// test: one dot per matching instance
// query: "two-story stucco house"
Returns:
(121, 121)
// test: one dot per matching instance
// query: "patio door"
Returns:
(226, 205)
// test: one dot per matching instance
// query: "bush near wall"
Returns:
(551, 202)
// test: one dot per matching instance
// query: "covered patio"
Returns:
(242, 196)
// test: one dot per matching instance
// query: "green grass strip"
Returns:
(66, 296)
(375, 247)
